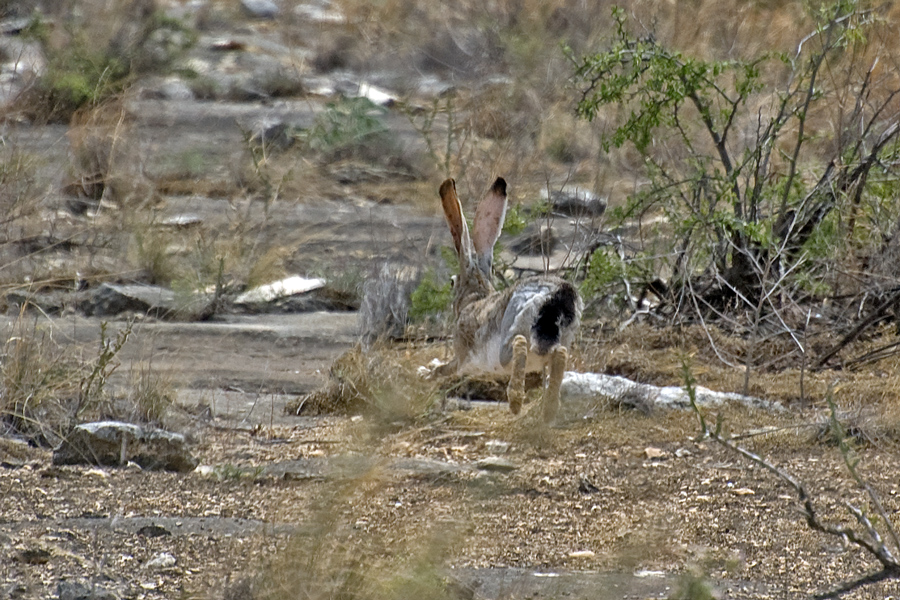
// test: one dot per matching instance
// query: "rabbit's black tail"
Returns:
(557, 313)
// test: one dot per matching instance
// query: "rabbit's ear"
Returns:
(453, 212)
(489, 217)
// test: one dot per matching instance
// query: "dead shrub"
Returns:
(149, 396)
(105, 166)
(36, 378)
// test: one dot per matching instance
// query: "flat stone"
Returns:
(115, 443)
(321, 11)
(112, 298)
(261, 9)
(182, 221)
(270, 292)
(426, 466)
(497, 464)
(575, 201)
(73, 590)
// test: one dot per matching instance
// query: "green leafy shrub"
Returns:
(745, 189)
(348, 127)
(431, 297)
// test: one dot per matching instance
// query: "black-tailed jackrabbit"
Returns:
(527, 327)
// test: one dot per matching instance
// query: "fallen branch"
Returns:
(874, 316)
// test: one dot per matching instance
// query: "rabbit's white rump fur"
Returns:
(522, 311)
(525, 328)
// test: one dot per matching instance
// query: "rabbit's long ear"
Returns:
(489, 217)
(454, 215)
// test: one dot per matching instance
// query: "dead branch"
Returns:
(873, 317)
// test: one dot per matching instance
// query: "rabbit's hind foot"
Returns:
(515, 391)
(558, 358)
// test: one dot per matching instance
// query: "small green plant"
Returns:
(431, 297)
(346, 127)
(693, 585)
(610, 275)
(605, 268)
(517, 219)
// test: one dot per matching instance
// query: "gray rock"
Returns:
(115, 443)
(427, 467)
(320, 11)
(170, 88)
(354, 88)
(466, 52)
(272, 134)
(73, 590)
(575, 201)
(14, 26)
(111, 299)
(326, 299)
(14, 590)
(261, 9)
(182, 221)
(276, 290)
(538, 239)
(497, 446)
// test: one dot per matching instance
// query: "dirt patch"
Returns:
(625, 493)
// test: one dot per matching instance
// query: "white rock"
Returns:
(261, 9)
(280, 289)
(320, 12)
(583, 394)
(163, 560)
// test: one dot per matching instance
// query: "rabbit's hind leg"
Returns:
(515, 391)
(558, 358)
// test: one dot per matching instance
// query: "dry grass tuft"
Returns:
(36, 376)
(382, 382)
(150, 395)
(269, 267)
(105, 156)
(333, 557)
